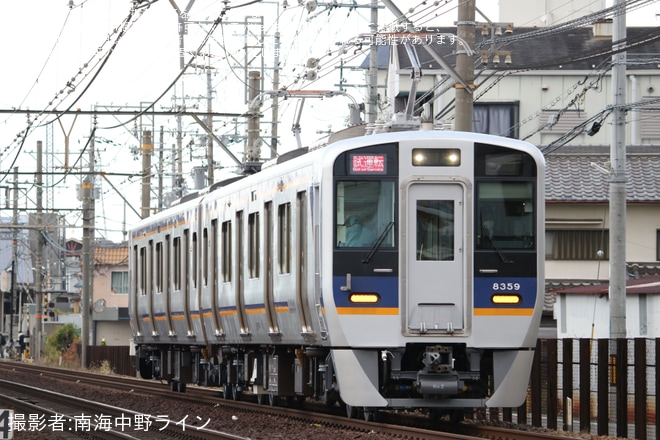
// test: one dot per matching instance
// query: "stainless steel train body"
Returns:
(392, 270)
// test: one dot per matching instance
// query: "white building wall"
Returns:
(588, 316)
(114, 332)
(642, 222)
(547, 12)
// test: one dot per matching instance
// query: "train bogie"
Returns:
(397, 270)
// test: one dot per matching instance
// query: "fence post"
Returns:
(622, 387)
(552, 402)
(640, 388)
(537, 387)
(585, 385)
(603, 386)
(567, 374)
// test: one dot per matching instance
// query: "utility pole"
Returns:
(252, 152)
(372, 110)
(209, 123)
(14, 256)
(87, 193)
(618, 277)
(276, 85)
(618, 184)
(182, 17)
(465, 65)
(161, 152)
(147, 150)
(38, 284)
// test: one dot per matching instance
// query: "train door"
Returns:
(269, 297)
(135, 312)
(435, 279)
(148, 273)
(301, 282)
(167, 283)
(212, 271)
(240, 274)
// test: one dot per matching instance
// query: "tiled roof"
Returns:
(571, 177)
(639, 286)
(111, 256)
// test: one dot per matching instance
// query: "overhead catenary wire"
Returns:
(193, 57)
(31, 124)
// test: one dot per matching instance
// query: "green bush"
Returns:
(60, 341)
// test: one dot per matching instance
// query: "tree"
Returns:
(61, 340)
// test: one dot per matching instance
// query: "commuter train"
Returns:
(396, 270)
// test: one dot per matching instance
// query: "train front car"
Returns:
(437, 269)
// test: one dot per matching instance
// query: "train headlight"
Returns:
(364, 298)
(436, 157)
(506, 299)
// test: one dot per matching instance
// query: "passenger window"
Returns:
(365, 211)
(435, 230)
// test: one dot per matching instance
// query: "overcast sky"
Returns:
(53, 58)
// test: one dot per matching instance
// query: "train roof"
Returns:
(291, 160)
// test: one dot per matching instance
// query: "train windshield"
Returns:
(505, 215)
(365, 212)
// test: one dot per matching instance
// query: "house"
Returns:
(551, 86)
(109, 318)
(577, 241)
(109, 303)
(548, 94)
(15, 290)
(583, 312)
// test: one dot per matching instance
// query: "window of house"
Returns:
(649, 125)
(657, 244)
(576, 244)
(498, 118)
(554, 122)
(119, 282)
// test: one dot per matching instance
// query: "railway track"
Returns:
(417, 427)
(37, 410)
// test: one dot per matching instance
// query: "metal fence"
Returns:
(117, 358)
(603, 386)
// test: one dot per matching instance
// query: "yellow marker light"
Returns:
(364, 298)
(506, 299)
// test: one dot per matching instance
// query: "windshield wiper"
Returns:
(489, 236)
(378, 242)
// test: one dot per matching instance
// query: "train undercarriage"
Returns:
(444, 379)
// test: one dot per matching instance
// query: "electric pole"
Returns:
(38, 310)
(87, 193)
(14, 256)
(209, 123)
(147, 150)
(372, 108)
(465, 65)
(618, 184)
